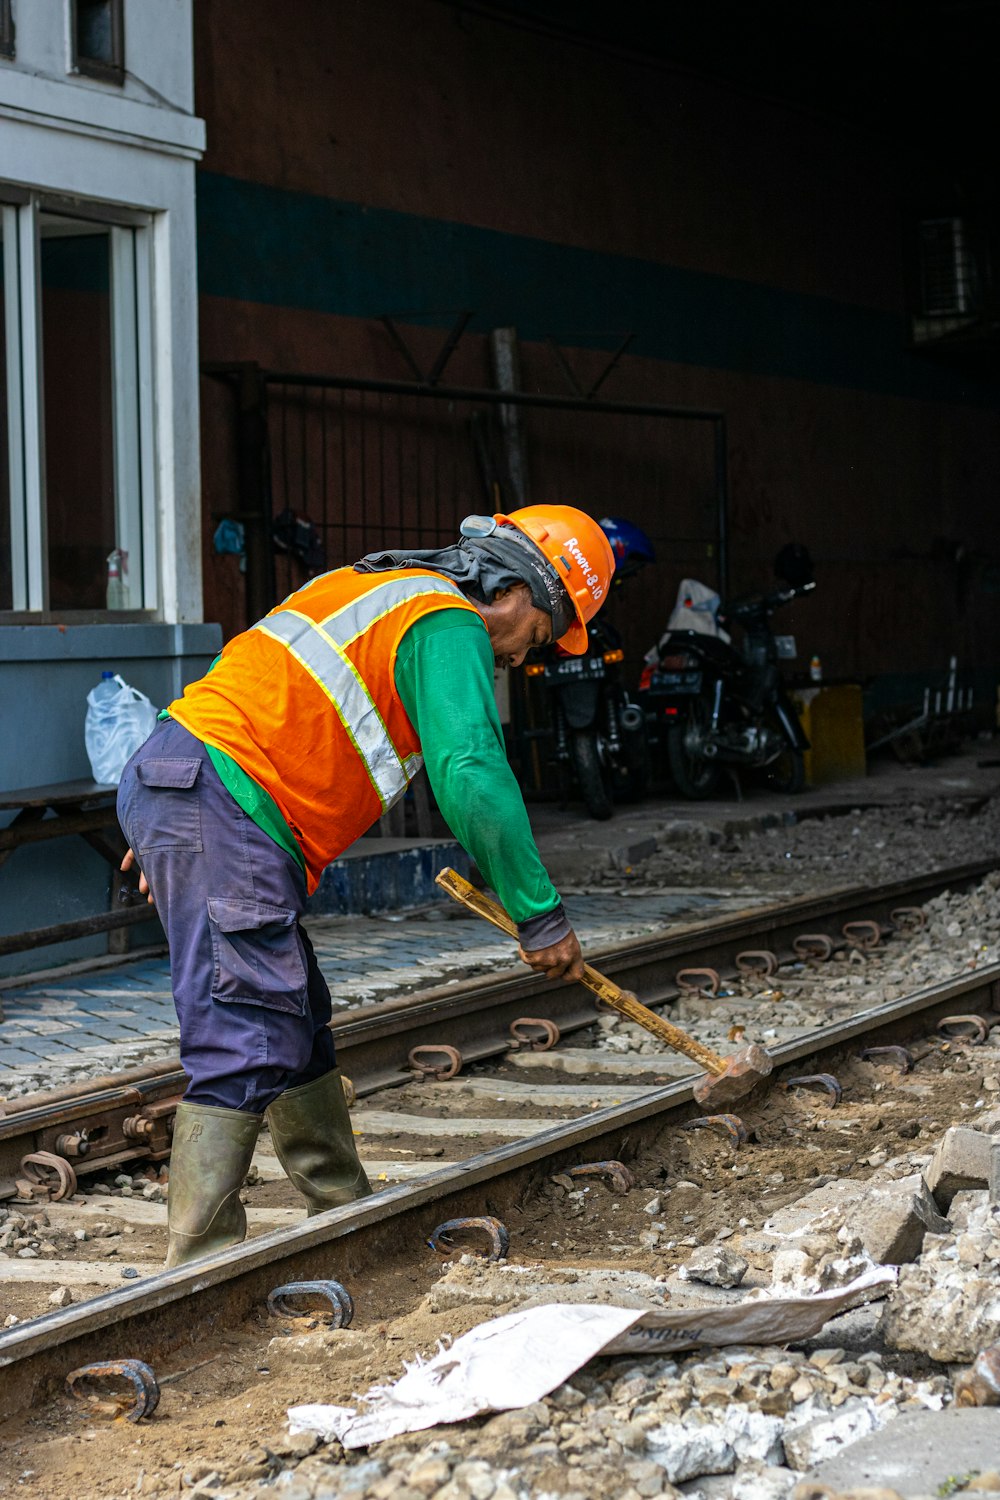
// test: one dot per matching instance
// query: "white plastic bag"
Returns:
(696, 608)
(119, 720)
(514, 1360)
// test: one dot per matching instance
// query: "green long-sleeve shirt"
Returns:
(444, 676)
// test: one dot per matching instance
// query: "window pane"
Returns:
(6, 30)
(79, 426)
(94, 35)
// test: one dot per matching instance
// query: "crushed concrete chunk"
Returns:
(892, 1219)
(760, 1482)
(483, 1284)
(948, 1304)
(824, 1435)
(689, 1447)
(889, 1219)
(961, 1161)
(715, 1265)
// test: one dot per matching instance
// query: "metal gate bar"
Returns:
(372, 462)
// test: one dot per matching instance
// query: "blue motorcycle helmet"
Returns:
(630, 544)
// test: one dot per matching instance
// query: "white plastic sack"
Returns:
(119, 720)
(511, 1361)
(696, 608)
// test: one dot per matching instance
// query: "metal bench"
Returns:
(87, 809)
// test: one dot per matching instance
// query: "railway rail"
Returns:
(153, 1315)
(49, 1140)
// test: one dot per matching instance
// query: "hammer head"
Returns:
(747, 1067)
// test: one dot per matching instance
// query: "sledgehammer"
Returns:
(727, 1078)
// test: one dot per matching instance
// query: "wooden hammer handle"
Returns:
(620, 1000)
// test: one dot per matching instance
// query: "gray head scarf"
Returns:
(488, 557)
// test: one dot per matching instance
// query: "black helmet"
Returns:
(793, 565)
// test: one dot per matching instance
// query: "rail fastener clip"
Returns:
(95, 1386)
(295, 1299)
(444, 1242)
(815, 1080)
(614, 1173)
(730, 1126)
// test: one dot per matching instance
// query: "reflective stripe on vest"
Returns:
(320, 648)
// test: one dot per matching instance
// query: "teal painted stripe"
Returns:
(286, 249)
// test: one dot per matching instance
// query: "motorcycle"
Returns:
(715, 707)
(598, 732)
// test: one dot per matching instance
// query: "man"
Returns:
(307, 728)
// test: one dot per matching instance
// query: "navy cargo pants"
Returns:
(251, 1002)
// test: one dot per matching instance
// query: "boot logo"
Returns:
(194, 1134)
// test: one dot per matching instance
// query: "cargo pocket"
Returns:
(169, 818)
(258, 956)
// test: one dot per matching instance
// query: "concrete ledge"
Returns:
(377, 875)
(107, 641)
(917, 1452)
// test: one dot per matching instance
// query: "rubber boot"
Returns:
(312, 1138)
(209, 1159)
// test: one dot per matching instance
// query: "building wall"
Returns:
(131, 145)
(406, 157)
(158, 62)
(45, 676)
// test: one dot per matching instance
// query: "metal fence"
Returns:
(378, 463)
(335, 467)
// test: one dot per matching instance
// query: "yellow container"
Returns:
(834, 724)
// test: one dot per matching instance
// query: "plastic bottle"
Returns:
(117, 593)
(815, 670)
(103, 695)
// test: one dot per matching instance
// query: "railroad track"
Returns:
(111, 1121)
(505, 1149)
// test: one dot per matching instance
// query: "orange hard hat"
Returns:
(579, 554)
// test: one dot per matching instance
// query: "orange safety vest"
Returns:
(305, 701)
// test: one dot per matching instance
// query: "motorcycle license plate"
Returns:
(575, 669)
(676, 682)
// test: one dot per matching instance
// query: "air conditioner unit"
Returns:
(949, 281)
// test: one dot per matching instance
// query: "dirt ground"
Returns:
(225, 1397)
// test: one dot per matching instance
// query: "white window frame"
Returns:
(136, 507)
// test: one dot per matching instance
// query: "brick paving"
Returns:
(60, 1031)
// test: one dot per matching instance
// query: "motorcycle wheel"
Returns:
(590, 774)
(786, 774)
(694, 777)
(632, 781)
